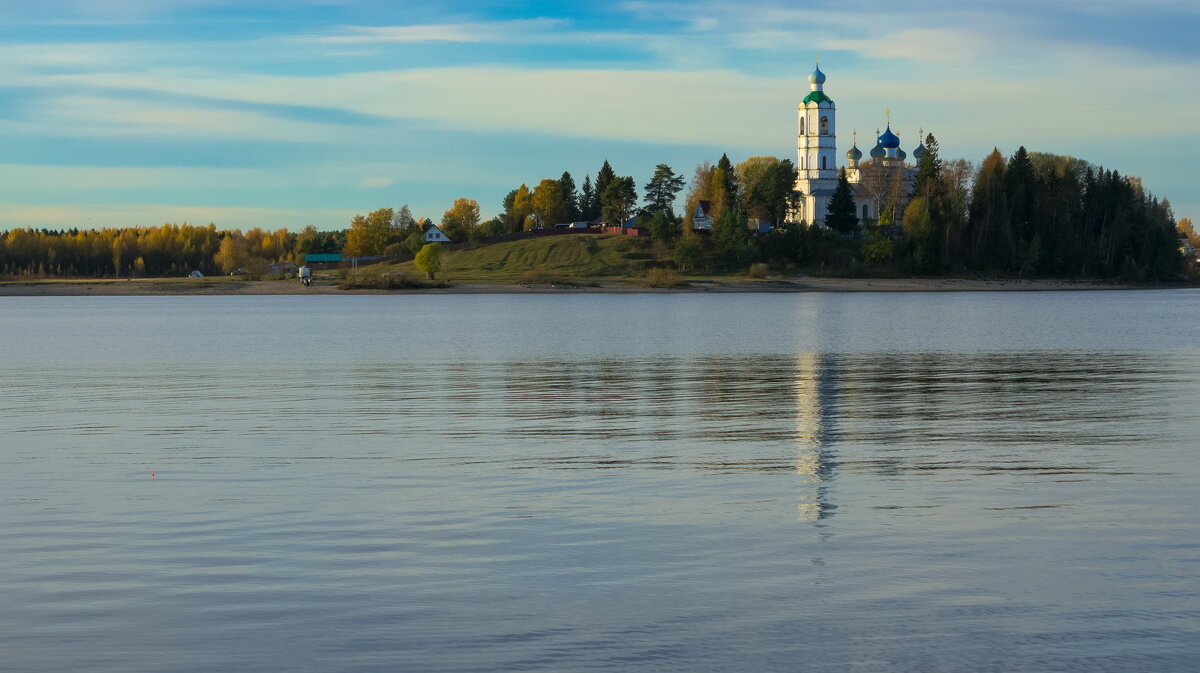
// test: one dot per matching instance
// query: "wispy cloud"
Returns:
(713, 73)
(493, 31)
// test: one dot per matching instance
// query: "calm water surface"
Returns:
(834, 482)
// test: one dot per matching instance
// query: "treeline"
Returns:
(153, 251)
(167, 250)
(1030, 214)
(1036, 214)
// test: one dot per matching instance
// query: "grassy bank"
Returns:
(566, 258)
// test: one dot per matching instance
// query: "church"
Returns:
(881, 184)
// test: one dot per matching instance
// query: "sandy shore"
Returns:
(797, 284)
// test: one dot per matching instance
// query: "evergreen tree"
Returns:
(661, 226)
(841, 216)
(776, 191)
(570, 196)
(731, 239)
(604, 178)
(1020, 186)
(729, 183)
(587, 200)
(661, 191)
(929, 169)
(618, 200)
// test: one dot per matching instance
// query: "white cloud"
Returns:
(127, 115)
(1069, 96)
(492, 31)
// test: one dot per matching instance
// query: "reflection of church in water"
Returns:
(815, 388)
(881, 184)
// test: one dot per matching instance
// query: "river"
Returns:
(683, 482)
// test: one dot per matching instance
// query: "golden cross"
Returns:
(889, 116)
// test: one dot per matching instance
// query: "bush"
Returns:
(660, 277)
(393, 280)
(758, 270)
(877, 250)
(255, 268)
(543, 277)
(689, 251)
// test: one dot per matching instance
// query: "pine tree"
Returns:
(841, 216)
(570, 196)
(1020, 188)
(731, 239)
(587, 199)
(729, 183)
(661, 191)
(604, 178)
(929, 169)
(618, 200)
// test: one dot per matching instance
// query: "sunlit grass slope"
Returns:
(570, 257)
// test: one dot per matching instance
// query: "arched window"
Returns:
(824, 162)
(864, 212)
(802, 126)
(824, 126)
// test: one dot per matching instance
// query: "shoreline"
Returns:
(181, 287)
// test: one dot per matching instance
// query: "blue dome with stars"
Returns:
(889, 140)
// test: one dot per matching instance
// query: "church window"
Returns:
(823, 163)
(864, 212)
(824, 126)
(802, 126)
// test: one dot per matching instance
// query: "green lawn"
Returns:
(578, 257)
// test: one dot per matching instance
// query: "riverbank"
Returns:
(172, 286)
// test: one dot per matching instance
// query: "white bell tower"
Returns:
(816, 151)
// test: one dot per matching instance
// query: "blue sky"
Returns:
(285, 113)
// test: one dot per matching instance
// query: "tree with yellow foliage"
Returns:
(462, 217)
(369, 234)
(548, 203)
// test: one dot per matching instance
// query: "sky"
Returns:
(288, 113)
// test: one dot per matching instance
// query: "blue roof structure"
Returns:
(322, 257)
(889, 140)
